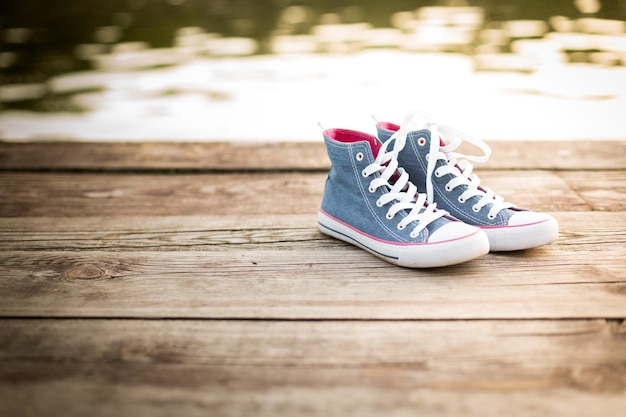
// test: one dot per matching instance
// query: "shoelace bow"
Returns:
(460, 169)
(401, 190)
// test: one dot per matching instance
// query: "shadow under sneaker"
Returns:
(369, 202)
(447, 178)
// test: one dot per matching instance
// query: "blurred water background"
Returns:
(268, 69)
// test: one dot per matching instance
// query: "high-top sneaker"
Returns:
(447, 178)
(369, 202)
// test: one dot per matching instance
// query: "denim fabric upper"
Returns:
(347, 197)
(413, 159)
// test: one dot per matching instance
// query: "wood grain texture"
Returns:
(71, 195)
(191, 279)
(228, 156)
(215, 233)
(320, 279)
(268, 368)
(602, 190)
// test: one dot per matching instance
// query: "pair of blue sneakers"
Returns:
(408, 198)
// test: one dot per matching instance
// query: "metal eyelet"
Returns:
(461, 200)
(401, 227)
(371, 189)
(413, 235)
(427, 156)
(490, 217)
(364, 174)
(437, 174)
(421, 141)
(379, 203)
(448, 188)
(359, 156)
(475, 209)
(389, 216)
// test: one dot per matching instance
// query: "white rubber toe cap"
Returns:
(451, 231)
(526, 229)
(452, 243)
(525, 218)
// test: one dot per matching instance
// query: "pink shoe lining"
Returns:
(389, 126)
(394, 128)
(352, 136)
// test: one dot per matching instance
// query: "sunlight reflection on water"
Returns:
(123, 82)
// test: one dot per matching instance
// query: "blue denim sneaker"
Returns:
(369, 202)
(447, 178)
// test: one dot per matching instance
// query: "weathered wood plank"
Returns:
(428, 344)
(602, 190)
(281, 155)
(221, 156)
(265, 368)
(72, 195)
(324, 279)
(41, 194)
(229, 246)
(208, 233)
(202, 233)
(292, 392)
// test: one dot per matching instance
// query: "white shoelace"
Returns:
(403, 191)
(460, 169)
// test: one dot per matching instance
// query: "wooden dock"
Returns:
(164, 279)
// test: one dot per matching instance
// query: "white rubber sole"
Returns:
(425, 255)
(520, 237)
